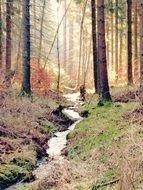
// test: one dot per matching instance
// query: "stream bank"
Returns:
(55, 161)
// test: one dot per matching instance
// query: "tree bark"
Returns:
(8, 41)
(0, 35)
(26, 87)
(81, 33)
(41, 32)
(65, 36)
(105, 93)
(112, 37)
(136, 66)
(129, 19)
(141, 45)
(94, 42)
(116, 41)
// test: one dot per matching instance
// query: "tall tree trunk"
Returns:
(71, 47)
(94, 42)
(0, 35)
(35, 23)
(17, 65)
(112, 38)
(41, 32)
(26, 87)
(8, 40)
(105, 94)
(116, 41)
(141, 45)
(107, 41)
(121, 51)
(58, 51)
(65, 36)
(81, 31)
(136, 66)
(129, 19)
(18, 57)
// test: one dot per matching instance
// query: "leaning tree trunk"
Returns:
(141, 45)
(105, 94)
(129, 19)
(26, 87)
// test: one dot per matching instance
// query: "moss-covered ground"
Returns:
(105, 149)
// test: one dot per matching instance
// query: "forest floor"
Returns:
(26, 125)
(105, 151)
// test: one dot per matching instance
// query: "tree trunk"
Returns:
(112, 38)
(129, 19)
(71, 48)
(41, 32)
(121, 51)
(8, 40)
(141, 45)
(81, 31)
(26, 87)
(94, 42)
(58, 53)
(0, 35)
(105, 94)
(116, 41)
(136, 66)
(65, 37)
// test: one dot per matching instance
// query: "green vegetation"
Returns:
(101, 127)
(97, 142)
(24, 131)
(10, 174)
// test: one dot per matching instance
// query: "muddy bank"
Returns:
(52, 169)
(25, 128)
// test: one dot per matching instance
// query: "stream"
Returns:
(56, 145)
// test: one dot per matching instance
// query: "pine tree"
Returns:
(8, 41)
(95, 64)
(105, 93)
(26, 87)
(129, 23)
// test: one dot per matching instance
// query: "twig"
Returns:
(108, 183)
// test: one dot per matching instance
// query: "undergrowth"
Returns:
(24, 132)
(104, 148)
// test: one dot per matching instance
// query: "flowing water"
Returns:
(56, 145)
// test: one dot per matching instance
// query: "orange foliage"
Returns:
(40, 79)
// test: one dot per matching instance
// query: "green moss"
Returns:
(9, 174)
(48, 127)
(24, 163)
(100, 128)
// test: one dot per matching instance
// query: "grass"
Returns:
(96, 146)
(100, 128)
